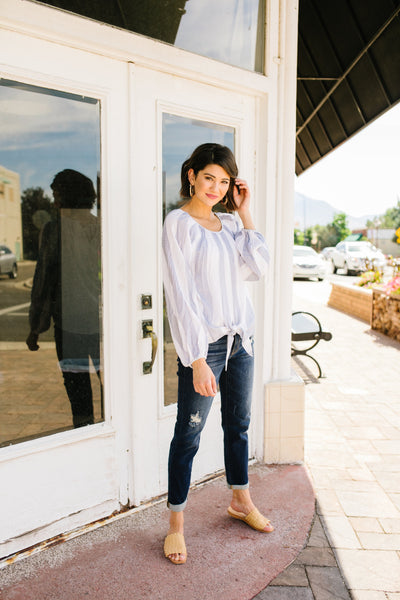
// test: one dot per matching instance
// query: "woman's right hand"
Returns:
(204, 381)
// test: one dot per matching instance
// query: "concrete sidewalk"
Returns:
(353, 455)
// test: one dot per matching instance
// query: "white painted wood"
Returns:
(59, 482)
(283, 113)
(53, 481)
(152, 94)
(75, 31)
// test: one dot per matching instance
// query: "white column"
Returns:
(284, 390)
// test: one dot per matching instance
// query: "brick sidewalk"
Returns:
(353, 455)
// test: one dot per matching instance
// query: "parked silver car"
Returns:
(8, 263)
(307, 263)
(327, 252)
(356, 257)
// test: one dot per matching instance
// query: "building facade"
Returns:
(125, 109)
(10, 212)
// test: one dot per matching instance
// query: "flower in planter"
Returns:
(392, 287)
(370, 278)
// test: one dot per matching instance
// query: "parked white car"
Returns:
(307, 263)
(356, 257)
(8, 262)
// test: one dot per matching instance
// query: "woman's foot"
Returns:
(175, 542)
(243, 507)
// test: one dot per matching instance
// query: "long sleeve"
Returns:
(253, 253)
(204, 282)
(183, 303)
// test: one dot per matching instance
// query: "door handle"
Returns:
(147, 328)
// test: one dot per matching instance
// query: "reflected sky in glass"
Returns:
(43, 133)
(180, 137)
(225, 30)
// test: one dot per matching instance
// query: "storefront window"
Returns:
(231, 31)
(180, 136)
(50, 262)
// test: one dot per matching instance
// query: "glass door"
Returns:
(50, 262)
(172, 117)
(64, 439)
(180, 135)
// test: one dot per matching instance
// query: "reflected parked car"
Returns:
(8, 263)
(356, 257)
(307, 263)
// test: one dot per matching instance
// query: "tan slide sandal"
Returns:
(175, 544)
(254, 519)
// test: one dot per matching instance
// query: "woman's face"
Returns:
(210, 185)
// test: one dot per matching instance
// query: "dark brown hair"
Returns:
(75, 189)
(210, 154)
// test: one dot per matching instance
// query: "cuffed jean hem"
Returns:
(245, 486)
(177, 507)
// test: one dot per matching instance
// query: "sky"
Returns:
(362, 176)
(42, 133)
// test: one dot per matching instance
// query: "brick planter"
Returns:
(351, 299)
(386, 314)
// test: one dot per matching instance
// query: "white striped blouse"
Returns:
(204, 274)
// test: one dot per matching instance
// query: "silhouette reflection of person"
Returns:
(67, 286)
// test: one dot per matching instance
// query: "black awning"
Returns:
(348, 71)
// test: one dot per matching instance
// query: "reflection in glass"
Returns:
(180, 135)
(52, 226)
(231, 31)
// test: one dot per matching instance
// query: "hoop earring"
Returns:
(191, 190)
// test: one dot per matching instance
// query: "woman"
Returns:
(207, 257)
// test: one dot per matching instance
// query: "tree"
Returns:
(327, 235)
(298, 237)
(389, 220)
(36, 209)
(332, 233)
(339, 224)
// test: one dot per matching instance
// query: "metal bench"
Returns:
(307, 328)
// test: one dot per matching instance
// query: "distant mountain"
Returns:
(318, 212)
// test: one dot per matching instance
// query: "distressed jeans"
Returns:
(235, 384)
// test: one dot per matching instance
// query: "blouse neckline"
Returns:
(202, 226)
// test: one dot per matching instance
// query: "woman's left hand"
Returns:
(242, 201)
(242, 197)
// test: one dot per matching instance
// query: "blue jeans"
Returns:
(235, 386)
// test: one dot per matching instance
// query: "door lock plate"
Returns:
(146, 301)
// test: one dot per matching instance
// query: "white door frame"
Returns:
(61, 481)
(154, 93)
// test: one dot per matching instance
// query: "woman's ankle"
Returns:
(241, 500)
(176, 521)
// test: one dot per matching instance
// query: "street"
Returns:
(318, 291)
